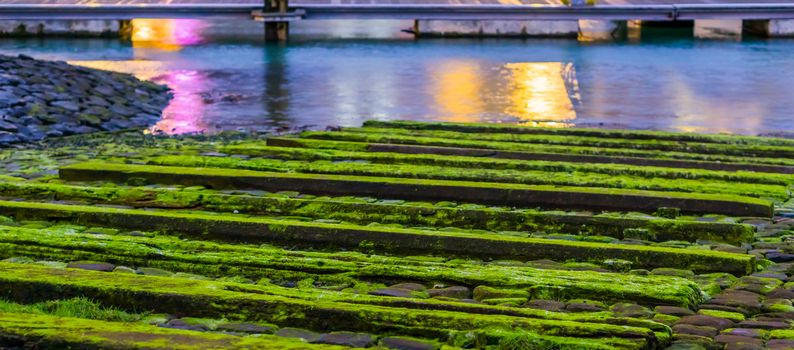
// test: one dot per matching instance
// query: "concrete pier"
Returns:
(777, 28)
(77, 28)
(476, 28)
(730, 29)
(598, 30)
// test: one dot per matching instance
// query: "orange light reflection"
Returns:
(457, 91)
(539, 94)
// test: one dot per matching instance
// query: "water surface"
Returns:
(341, 73)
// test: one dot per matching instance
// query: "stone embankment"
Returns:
(40, 99)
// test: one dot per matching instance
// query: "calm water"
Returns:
(224, 81)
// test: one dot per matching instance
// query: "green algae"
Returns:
(528, 177)
(408, 214)
(336, 151)
(76, 333)
(505, 339)
(733, 149)
(79, 307)
(317, 268)
(504, 194)
(542, 148)
(781, 334)
(216, 299)
(587, 132)
(384, 239)
(332, 268)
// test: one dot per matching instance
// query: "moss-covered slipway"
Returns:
(399, 235)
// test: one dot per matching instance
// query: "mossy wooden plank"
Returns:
(594, 162)
(312, 150)
(551, 177)
(409, 241)
(706, 148)
(392, 138)
(406, 214)
(586, 132)
(29, 283)
(424, 189)
(23, 331)
(217, 259)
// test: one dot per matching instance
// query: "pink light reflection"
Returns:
(184, 114)
(187, 31)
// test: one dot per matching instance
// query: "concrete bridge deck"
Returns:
(432, 18)
(397, 9)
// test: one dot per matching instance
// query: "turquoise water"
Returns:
(225, 80)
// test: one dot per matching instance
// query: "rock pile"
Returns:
(41, 99)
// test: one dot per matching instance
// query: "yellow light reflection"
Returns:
(539, 94)
(457, 90)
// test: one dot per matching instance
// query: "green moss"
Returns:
(528, 177)
(283, 306)
(733, 316)
(75, 307)
(403, 213)
(508, 339)
(738, 157)
(586, 132)
(215, 259)
(65, 332)
(743, 149)
(312, 149)
(781, 334)
(418, 188)
(385, 239)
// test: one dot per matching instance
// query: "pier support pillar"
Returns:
(492, 28)
(718, 29)
(776, 28)
(276, 31)
(596, 30)
(781, 28)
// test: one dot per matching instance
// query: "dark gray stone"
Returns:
(780, 257)
(6, 126)
(392, 292)
(71, 106)
(455, 292)
(674, 311)
(91, 265)
(246, 328)
(304, 334)
(356, 340)
(707, 321)
(7, 137)
(406, 344)
(180, 324)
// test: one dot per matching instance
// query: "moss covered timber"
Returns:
(29, 283)
(552, 177)
(727, 149)
(218, 260)
(309, 149)
(586, 132)
(466, 244)
(363, 212)
(32, 331)
(396, 138)
(525, 155)
(423, 189)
